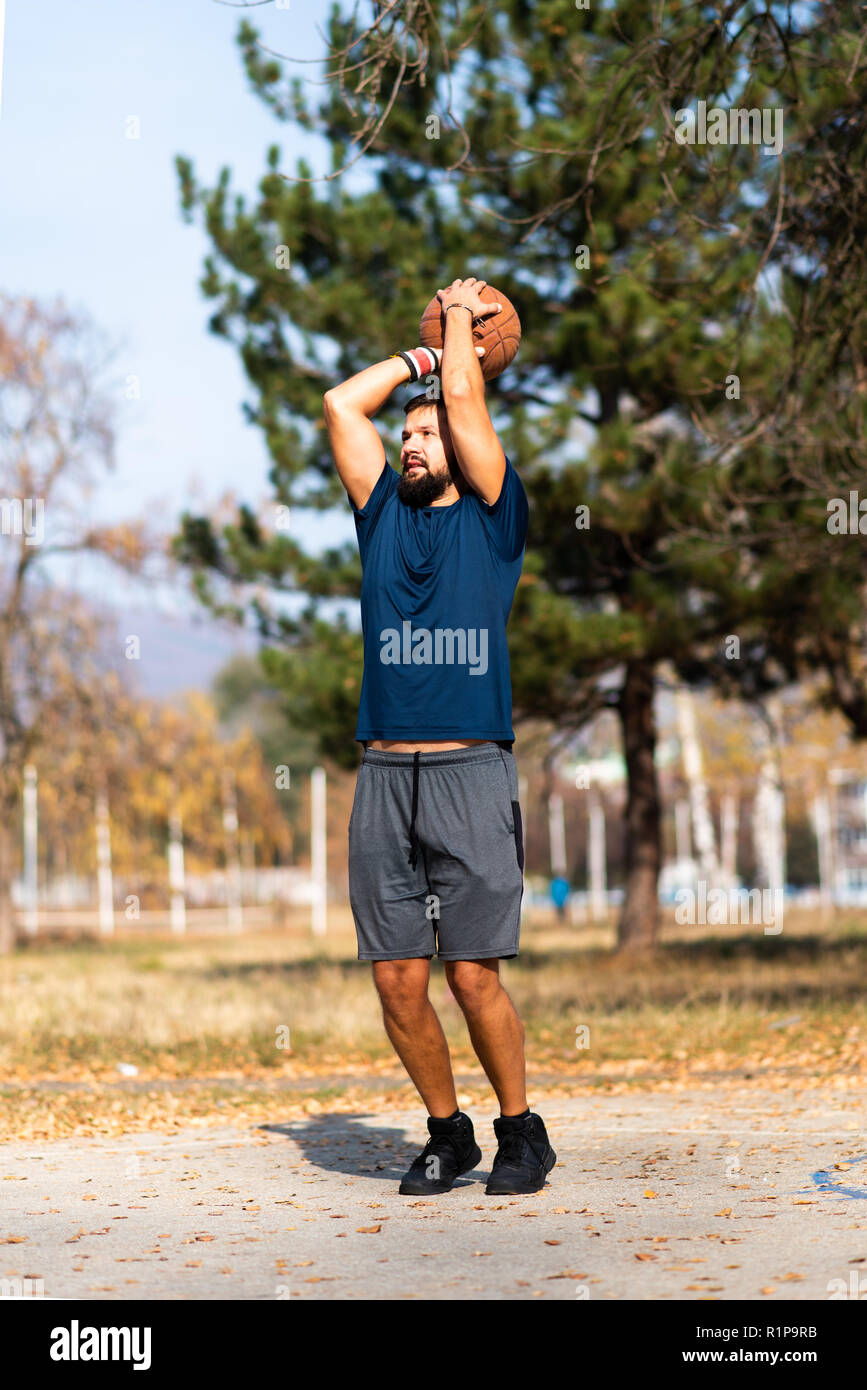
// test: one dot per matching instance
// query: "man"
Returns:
(435, 841)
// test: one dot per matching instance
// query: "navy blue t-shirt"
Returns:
(436, 593)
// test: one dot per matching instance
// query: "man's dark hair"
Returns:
(419, 402)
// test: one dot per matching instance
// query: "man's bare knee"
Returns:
(402, 986)
(474, 983)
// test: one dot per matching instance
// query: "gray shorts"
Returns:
(436, 855)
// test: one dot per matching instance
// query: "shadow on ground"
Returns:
(340, 1143)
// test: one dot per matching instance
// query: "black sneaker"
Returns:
(450, 1151)
(524, 1157)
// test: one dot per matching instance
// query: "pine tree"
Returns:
(663, 289)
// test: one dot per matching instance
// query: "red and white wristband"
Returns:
(422, 361)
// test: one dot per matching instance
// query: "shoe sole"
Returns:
(427, 1189)
(501, 1189)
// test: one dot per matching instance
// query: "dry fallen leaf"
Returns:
(553, 1242)
(368, 1230)
(649, 1193)
(642, 1255)
(12, 1240)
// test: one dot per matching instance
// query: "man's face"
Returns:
(425, 472)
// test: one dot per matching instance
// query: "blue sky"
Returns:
(92, 216)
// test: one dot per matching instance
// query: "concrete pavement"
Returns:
(667, 1195)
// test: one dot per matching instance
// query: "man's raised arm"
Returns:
(474, 439)
(357, 448)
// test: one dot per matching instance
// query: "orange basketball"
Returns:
(499, 334)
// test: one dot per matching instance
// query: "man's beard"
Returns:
(424, 489)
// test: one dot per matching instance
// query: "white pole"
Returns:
(729, 816)
(234, 908)
(770, 842)
(177, 886)
(596, 856)
(31, 852)
(702, 824)
(822, 827)
(557, 835)
(318, 851)
(836, 852)
(105, 886)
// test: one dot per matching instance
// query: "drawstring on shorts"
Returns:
(414, 845)
(413, 838)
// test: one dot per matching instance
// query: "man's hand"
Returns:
(468, 292)
(438, 353)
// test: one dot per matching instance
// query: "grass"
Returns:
(200, 1019)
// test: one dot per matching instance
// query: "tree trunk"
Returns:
(7, 911)
(639, 918)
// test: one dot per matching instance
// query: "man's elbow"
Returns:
(330, 402)
(462, 389)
